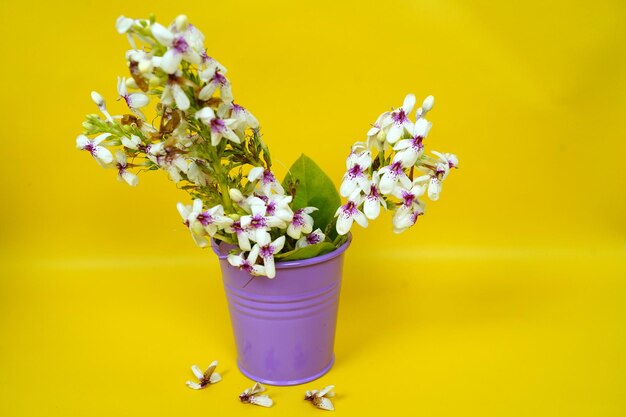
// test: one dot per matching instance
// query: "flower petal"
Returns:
(164, 36)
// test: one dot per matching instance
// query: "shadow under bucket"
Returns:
(284, 327)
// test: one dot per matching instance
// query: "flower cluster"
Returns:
(181, 118)
(397, 175)
(207, 143)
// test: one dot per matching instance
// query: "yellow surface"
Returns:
(507, 299)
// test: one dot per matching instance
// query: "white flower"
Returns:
(131, 143)
(441, 171)
(129, 177)
(349, 212)
(411, 149)
(301, 222)
(243, 235)
(312, 238)
(169, 159)
(214, 75)
(258, 223)
(143, 60)
(373, 200)
(174, 93)
(276, 205)
(356, 176)
(320, 399)
(220, 128)
(196, 175)
(243, 118)
(400, 120)
(101, 154)
(409, 197)
(250, 396)
(377, 133)
(267, 250)
(451, 159)
(204, 378)
(178, 48)
(189, 215)
(391, 175)
(134, 101)
(99, 100)
(247, 264)
(214, 219)
(405, 217)
(267, 181)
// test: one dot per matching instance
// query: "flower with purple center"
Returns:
(406, 217)
(442, 166)
(266, 181)
(356, 176)
(259, 223)
(313, 238)
(243, 235)
(134, 101)
(349, 213)
(190, 215)
(215, 80)
(400, 121)
(214, 219)
(220, 128)
(101, 154)
(267, 250)
(373, 200)
(178, 46)
(248, 263)
(391, 175)
(174, 93)
(244, 119)
(122, 169)
(411, 149)
(301, 222)
(276, 205)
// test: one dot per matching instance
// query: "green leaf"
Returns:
(306, 252)
(313, 188)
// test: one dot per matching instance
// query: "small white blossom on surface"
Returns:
(205, 378)
(251, 396)
(321, 398)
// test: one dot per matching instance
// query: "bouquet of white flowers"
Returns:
(212, 148)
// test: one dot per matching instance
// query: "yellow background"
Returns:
(508, 298)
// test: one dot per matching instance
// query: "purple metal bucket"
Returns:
(285, 327)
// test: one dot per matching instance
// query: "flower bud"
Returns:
(98, 99)
(181, 22)
(145, 66)
(428, 103)
(235, 195)
(123, 24)
(131, 83)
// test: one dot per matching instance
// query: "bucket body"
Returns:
(284, 327)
